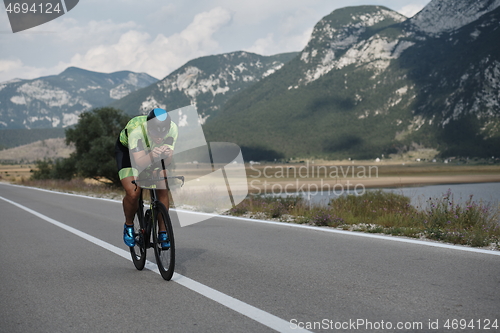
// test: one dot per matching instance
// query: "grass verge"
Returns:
(473, 223)
(76, 186)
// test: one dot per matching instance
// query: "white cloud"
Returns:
(137, 51)
(16, 69)
(58, 39)
(290, 34)
(159, 36)
(259, 11)
(105, 46)
(263, 45)
(10, 65)
(410, 10)
(271, 45)
(95, 31)
(164, 13)
(199, 33)
(127, 53)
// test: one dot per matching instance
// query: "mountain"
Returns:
(372, 82)
(447, 15)
(57, 100)
(207, 82)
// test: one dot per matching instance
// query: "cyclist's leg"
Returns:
(163, 197)
(164, 238)
(130, 200)
(162, 194)
(126, 174)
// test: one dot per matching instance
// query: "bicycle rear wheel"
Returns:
(138, 252)
(165, 257)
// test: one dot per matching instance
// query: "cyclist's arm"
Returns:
(144, 158)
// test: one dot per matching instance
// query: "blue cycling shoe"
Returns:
(128, 235)
(163, 239)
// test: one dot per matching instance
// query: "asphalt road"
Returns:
(64, 268)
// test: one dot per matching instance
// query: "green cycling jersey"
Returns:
(135, 139)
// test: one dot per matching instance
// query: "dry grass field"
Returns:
(15, 173)
(39, 150)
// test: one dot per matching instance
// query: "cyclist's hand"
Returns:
(166, 152)
(157, 152)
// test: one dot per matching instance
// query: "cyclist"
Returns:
(159, 144)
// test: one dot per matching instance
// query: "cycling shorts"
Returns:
(122, 156)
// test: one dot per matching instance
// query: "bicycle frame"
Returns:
(152, 205)
(147, 235)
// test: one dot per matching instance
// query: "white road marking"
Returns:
(322, 229)
(260, 316)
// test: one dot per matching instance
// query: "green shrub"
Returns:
(59, 169)
(384, 208)
(472, 223)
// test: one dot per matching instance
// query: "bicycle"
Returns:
(146, 225)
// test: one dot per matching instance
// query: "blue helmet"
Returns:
(158, 122)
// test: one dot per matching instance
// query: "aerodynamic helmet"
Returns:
(158, 122)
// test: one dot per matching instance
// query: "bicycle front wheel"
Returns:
(138, 251)
(164, 250)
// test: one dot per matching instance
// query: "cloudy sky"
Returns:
(158, 36)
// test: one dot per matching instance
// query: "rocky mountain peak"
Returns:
(343, 30)
(448, 15)
(57, 100)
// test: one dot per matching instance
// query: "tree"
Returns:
(43, 170)
(94, 138)
(58, 169)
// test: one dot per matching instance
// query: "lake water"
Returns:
(484, 192)
(488, 193)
